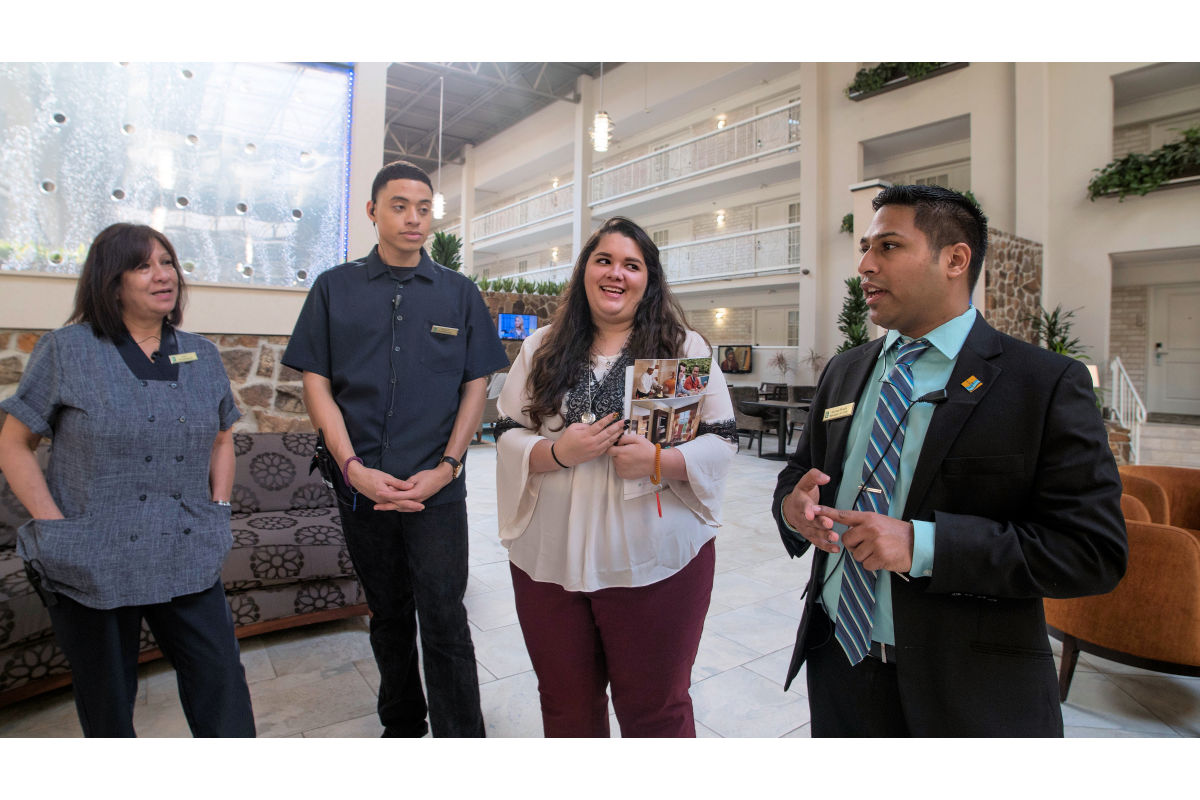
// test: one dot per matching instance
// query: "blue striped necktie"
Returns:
(882, 464)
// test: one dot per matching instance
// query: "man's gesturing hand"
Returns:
(876, 541)
(802, 512)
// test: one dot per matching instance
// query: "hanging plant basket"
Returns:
(1173, 164)
(889, 75)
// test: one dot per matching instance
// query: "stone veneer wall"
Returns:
(268, 393)
(1013, 288)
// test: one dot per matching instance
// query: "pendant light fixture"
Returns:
(602, 126)
(439, 199)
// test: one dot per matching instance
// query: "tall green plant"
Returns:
(1052, 330)
(446, 250)
(852, 322)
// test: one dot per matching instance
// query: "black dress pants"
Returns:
(849, 701)
(194, 631)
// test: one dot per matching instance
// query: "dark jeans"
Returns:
(194, 631)
(410, 562)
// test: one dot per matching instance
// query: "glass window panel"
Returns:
(243, 166)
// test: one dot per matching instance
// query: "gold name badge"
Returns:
(183, 358)
(837, 412)
(445, 330)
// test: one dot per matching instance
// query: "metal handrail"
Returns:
(1127, 406)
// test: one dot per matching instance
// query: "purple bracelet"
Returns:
(346, 470)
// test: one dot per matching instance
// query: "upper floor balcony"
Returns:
(760, 252)
(741, 155)
(769, 133)
(524, 213)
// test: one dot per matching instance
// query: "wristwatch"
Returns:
(454, 463)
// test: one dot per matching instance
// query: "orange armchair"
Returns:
(1151, 620)
(1152, 496)
(1180, 486)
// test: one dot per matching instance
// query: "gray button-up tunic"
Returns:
(129, 469)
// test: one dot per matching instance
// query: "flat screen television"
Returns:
(516, 326)
(735, 358)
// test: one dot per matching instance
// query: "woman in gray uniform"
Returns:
(131, 518)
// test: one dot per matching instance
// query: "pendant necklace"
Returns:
(589, 416)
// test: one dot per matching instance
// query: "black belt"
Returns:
(883, 652)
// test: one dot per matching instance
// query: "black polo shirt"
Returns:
(397, 346)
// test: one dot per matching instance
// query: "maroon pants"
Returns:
(643, 640)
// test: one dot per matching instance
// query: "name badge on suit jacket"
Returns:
(837, 412)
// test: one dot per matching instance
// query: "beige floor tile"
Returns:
(359, 728)
(293, 651)
(511, 707)
(740, 703)
(494, 609)
(502, 651)
(303, 701)
(758, 628)
(718, 654)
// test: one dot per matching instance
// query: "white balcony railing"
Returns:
(764, 251)
(772, 132)
(1127, 407)
(528, 211)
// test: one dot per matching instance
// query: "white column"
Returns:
(812, 211)
(467, 204)
(581, 166)
(368, 127)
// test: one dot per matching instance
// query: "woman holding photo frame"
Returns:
(610, 589)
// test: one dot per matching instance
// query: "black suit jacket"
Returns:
(1024, 492)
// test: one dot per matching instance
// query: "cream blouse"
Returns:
(576, 527)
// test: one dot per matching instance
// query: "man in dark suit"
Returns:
(949, 477)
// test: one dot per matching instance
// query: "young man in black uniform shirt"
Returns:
(395, 352)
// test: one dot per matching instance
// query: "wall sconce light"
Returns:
(720, 218)
(553, 255)
(554, 183)
(719, 314)
(721, 120)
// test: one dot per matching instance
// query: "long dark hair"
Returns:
(116, 250)
(658, 324)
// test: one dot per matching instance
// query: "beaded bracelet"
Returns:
(656, 478)
(346, 469)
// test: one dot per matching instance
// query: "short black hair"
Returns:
(398, 171)
(946, 217)
(116, 250)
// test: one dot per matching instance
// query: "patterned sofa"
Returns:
(288, 566)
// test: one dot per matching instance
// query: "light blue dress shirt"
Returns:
(930, 373)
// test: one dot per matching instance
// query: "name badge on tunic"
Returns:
(183, 358)
(445, 330)
(837, 412)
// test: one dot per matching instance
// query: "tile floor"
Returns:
(321, 681)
